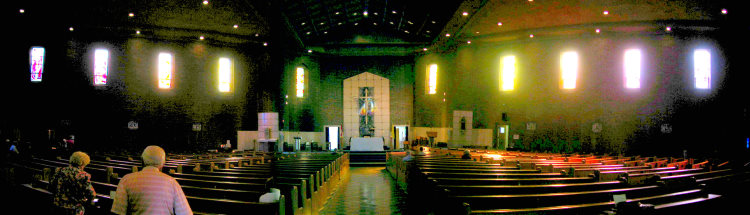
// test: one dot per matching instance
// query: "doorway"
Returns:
(333, 136)
(400, 134)
(502, 136)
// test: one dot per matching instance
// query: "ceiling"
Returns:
(426, 23)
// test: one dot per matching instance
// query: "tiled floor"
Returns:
(368, 190)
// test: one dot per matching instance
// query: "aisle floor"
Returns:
(368, 190)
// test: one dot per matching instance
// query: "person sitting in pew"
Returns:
(150, 191)
(272, 196)
(467, 155)
(408, 156)
(421, 151)
(71, 186)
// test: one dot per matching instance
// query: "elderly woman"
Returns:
(71, 186)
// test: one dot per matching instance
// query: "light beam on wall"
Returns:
(225, 74)
(300, 86)
(101, 66)
(569, 66)
(432, 79)
(36, 61)
(632, 68)
(166, 68)
(702, 68)
(508, 73)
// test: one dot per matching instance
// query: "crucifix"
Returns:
(366, 112)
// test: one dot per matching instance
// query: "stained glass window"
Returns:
(166, 67)
(225, 74)
(101, 66)
(569, 66)
(300, 86)
(432, 79)
(37, 63)
(702, 68)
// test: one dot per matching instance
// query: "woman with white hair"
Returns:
(150, 191)
(71, 186)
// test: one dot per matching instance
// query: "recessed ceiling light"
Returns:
(499, 23)
(668, 28)
(256, 35)
(476, 32)
(22, 11)
(393, 12)
(433, 22)
(597, 30)
(322, 23)
(465, 13)
(137, 32)
(723, 11)
(337, 13)
(374, 23)
(427, 31)
(447, 35)
(376, 13)
(70, 29)
(391, 23)
(605, 12)
(303, 23)
(205, 2)
(325, 32)
(405, 31)
(201, 37)
(424, 49)
(410, 23)
(469, 42)
(356, 23)
(235, 26)
(531, 36)
(131, 14)
(355, 14)
(340, 23)
(308, 33)
(265, 44)
(365, 13)
(309, 51)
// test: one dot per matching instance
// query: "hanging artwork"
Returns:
(366, 112)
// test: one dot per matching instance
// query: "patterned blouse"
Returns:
(71, 188)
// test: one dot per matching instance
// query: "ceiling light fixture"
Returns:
(309, 51)
(723, 11)
(531, 36)
(337, 13)
(256, 35)
(356, 23)
(433, 22)
(499, 23)
(424, 49)
(597, 30)
(465, 13)
(303, 23)
(22, 11)
(605, 12)
(376, 13)
(70, 29)
(265, 43)
(205, 2)
(447, 35)
(138, 32)
(131, 14)
(235, 26)
(201, 38)
(322, 23)
(469, 42)
(365, 13)
(668, 28)
(393, 12)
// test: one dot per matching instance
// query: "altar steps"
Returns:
(367, 158)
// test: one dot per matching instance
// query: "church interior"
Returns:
(384, 106)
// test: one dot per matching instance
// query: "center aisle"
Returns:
(368, 190)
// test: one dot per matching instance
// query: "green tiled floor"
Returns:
(368, 190)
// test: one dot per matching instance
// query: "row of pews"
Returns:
(500, 182)
(219, 183)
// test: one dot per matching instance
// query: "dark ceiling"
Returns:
(384, 21)
(428, 23)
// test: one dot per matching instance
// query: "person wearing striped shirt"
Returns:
(150, 191)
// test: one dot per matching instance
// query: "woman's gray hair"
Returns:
(153, 156)
(79, 159)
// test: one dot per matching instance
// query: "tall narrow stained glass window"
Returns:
(702, 68)
(569, 67)
(225, 74)
(166, 68)
(101, 66)
(632, 68)
(36, 61)
(508, 73)
(300, 86)
(432, 70)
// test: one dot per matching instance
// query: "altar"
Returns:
(366, 144)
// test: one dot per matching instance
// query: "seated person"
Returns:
(421, 151)
(272, 196)
(467, 155)
(408, 156)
